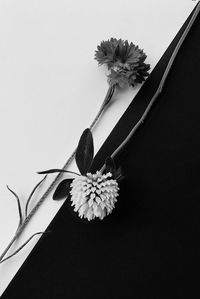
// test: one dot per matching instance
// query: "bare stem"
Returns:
(160, 87)
(21, 228)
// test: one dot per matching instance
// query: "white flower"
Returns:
(94, 195)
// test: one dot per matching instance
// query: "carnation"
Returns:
(125, 62)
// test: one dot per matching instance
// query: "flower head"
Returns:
(94, 195)
(124, 60)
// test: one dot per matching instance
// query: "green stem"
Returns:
(21, 228)
(160, 87)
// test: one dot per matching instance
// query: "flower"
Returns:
(94, 195)
(124, 61)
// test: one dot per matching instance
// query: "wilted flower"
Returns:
(94, 195)
(125, 62)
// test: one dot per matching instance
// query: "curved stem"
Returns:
(21, 247)
(30, 196)
(21, 228)
(19, 206)
(8, 247)
(160, 87)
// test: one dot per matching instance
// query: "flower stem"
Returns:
(160, 87)
(21, 228)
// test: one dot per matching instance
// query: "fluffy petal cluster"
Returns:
(94, 195)
(124, 60)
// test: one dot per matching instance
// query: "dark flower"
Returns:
(124, 61)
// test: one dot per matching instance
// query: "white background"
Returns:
(51, 89)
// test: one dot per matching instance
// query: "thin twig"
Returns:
(160, 87)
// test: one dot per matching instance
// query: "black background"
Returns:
(149, 246)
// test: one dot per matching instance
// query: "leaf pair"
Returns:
(84, 158)
(22, 222)
(27, 202)
(85, 154)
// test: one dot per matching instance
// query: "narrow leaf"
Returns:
(22, 246)
(18, 204)
(63, 189)
(30, 196)
(85, 152)
(56, 170)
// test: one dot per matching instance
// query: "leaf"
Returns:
(30, 196)
(51, 171)
(110, 166)
(85, 152)
(18, 205)
(22, 246)
(62, 190)
(55, 171)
